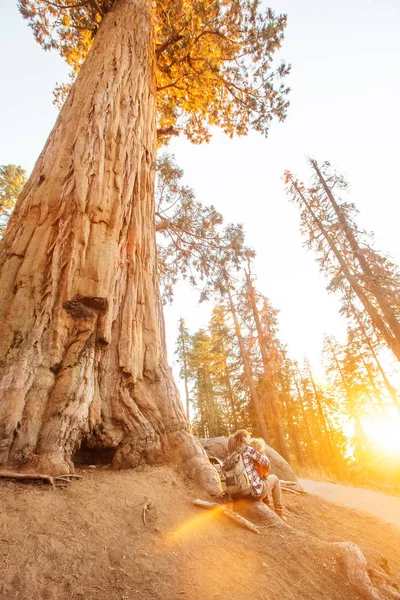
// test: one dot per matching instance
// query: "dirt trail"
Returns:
(383, 506)
(135, 535)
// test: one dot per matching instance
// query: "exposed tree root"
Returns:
(65, 478)
(284, 488)
(389, 592)
(39, 477)
(355, 567)
(229, 513)
(348, 555)
(257, 511)
(187, 452)
(146, 506)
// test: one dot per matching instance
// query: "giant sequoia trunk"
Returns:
(82, 351)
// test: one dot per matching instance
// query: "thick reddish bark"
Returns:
(82, 349)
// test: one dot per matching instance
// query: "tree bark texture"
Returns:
(185, 377)
(82, 350)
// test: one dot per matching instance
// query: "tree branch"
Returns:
(68, 6)
(164, 131)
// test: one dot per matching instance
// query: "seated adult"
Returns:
(252, 460)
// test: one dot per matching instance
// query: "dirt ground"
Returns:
(89, 541)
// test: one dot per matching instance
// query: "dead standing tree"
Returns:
(82, 351)
(351, 264)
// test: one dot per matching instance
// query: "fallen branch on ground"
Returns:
(292, 486)
(287, 489)
(228, 513)
(61, 478)
(146, 506)
(39, 477)
(34, 476)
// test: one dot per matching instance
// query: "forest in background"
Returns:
(237, 372)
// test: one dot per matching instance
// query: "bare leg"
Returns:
(273, 485)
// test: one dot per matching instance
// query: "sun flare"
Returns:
(384, 433)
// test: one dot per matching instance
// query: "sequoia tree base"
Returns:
(180, 449)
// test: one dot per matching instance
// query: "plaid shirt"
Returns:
(250, 458)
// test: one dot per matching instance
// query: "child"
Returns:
(259, 445)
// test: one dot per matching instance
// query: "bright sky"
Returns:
(345, 103)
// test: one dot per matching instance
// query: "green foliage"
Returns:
(214, 372)
(183, 347)
(12, 180)
(214, 59)
(192, 240)
(228, 370)
(208, 421)
(311, 414)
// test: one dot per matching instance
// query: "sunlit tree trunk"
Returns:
(369, 343)
(324, 421)
(352, 409)
(185, 378)
(287, 402)
(268, 376)
(82, 348)
(231, 399)
(306, 425)
(262, 427)
(376, 398)
(211, 409)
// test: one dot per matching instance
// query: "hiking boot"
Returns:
(279, 513)
(223, 498)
